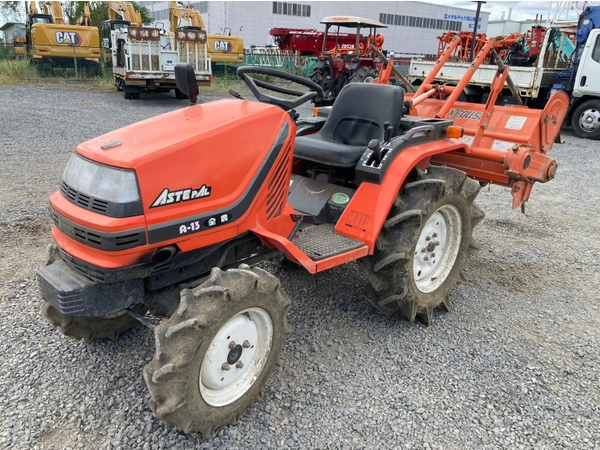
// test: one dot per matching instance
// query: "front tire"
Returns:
(586, 120)
(91, 329)
(215, 354)
(424, 244)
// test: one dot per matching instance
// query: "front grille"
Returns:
(101, 206)
(110, 242)
(85, 201)
(85, 269)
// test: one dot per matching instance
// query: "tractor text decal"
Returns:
(69, 38)
(167, 197)
(464, 114)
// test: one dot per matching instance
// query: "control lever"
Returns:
(235, 94)
(388, 129)
(376, 149)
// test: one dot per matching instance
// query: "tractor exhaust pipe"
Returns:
(164, 254)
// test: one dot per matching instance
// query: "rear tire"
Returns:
(363, 75)
(424, 244)
(215, 354)
(586, 120)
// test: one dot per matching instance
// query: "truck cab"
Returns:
(587, 81)
(584, 112)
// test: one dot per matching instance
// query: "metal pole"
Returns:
(509, 81)
(396, 71)
(75, 62)
(475, 29)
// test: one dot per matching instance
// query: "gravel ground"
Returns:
(514, 365)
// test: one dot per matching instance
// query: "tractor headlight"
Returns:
(107, 183)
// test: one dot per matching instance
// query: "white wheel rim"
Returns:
(590, 120)
(437, 248)
(236, 356)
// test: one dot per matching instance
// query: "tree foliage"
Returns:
(12, 11)
(99, 12)
(15, 11)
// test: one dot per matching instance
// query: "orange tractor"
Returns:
(173, 222)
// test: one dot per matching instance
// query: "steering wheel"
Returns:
(286, 104)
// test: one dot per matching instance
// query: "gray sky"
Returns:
(520, 10)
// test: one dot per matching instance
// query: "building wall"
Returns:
(413, 27)
(506, 27)
(13, 29)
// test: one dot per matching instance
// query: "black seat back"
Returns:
(360, 110)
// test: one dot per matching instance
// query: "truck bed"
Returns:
(529, 80)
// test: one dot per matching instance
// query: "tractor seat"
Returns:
(356, 117)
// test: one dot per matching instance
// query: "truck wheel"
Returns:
(215, 354)
(92, 328)
(180, 95)
(586, 120)
(424, 244)
(363, 75)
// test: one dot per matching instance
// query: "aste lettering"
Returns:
(167, 197)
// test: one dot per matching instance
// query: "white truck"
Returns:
(554, 69)
(144, 58)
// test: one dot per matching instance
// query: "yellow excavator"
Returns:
(52, 43)
(221, 49)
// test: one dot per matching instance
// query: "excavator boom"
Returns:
(125, 11)
(221, 49)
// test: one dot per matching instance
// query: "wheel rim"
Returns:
(437, 248)
(589, 121)
(236, 356)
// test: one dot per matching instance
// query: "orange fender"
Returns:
(364, 216)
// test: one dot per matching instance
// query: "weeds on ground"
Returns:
(12, 71)
(17, 71)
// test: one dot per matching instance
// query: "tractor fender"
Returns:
(366, 213)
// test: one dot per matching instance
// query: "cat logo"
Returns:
(69, 38)
(223, 46)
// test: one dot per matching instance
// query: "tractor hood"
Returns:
(205, 158)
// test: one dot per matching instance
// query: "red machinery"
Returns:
(308, 42)
(514, 43)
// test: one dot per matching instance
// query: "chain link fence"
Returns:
(275, 59)
(80, 63)
(286, 63)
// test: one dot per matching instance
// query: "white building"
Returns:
(413, 27)
(506, 27)
(12, 30)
